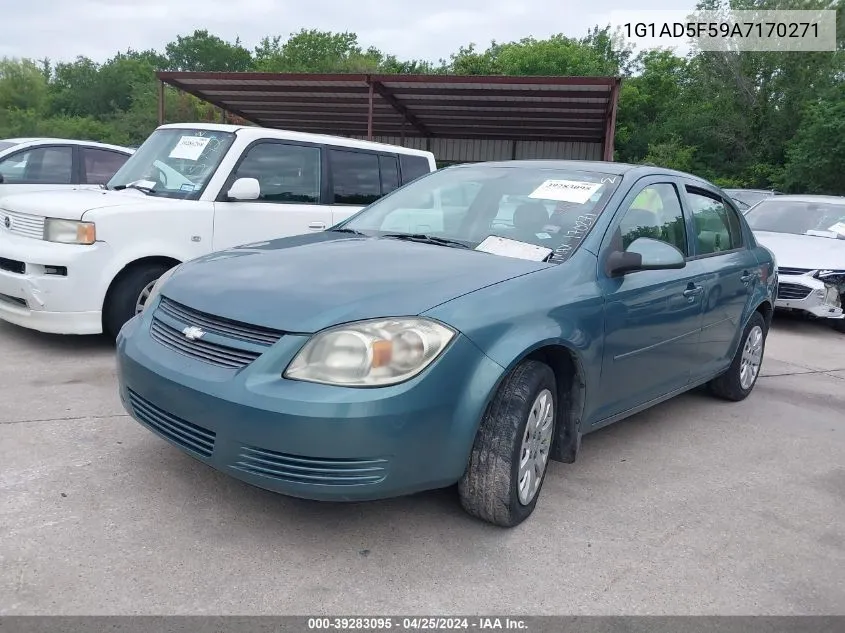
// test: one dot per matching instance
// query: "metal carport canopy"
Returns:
(546, 111)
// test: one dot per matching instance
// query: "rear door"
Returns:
(291, 178)
(97, 165)
(732, 273)
(358, 178)
(39, 168)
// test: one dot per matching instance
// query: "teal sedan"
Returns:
(466, 329)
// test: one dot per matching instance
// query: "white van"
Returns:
(83, 262)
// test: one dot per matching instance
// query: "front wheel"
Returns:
(128, 295)
(738, 381)
(508, 462)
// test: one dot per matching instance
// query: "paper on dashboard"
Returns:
(513, 248)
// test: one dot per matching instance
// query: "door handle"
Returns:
(694, 291)
(746, 277)
(318, 226)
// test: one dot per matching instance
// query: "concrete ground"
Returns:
(695, 507)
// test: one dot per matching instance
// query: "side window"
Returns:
(41, 165)
(355, 177)
(286, 173)
(717, 226)
(413, 167)
(101, 164)
(655, 213)
(389, 166)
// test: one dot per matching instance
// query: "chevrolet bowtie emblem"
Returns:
(193, 333)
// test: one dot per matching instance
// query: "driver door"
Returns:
(290, 176)
(653, 318)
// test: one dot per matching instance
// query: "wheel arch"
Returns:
(570, 376)
(137, 263)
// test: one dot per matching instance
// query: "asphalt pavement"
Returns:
(695, 507)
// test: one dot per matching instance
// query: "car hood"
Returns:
(72, 204)
(309, 282)
(804, 251)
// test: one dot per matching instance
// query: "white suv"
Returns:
(83, 262)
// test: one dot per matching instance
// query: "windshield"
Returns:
(174, 163)
(6, 145)
(550, 208)
(823, 219)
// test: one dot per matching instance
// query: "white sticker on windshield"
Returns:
(189, 147)
(838, 228)
(566, 190)
(513, 248)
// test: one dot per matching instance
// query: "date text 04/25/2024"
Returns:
(415, 624)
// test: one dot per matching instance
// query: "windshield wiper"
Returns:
(344, 230)
(146, 190)
(427, 239)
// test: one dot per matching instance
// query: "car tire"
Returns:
(839, 325)
(126, 293)
(515, 427)
(739, 380)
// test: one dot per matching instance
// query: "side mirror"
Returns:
(645, 253)
(244, 189)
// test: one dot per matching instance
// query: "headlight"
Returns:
(69, 231)
(370, 353)
(156, 289)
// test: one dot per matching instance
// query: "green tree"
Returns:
(204, 52)
(816, 155)
(22, 86)
(313, 51)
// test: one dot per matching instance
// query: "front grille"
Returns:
(792, 291)
(311, 470)
(23, 224)
(212, 353)
(189, 436)
(793, 271)
(237, 346)
(218, 325)
(12, 266)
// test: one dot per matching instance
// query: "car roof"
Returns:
(607, 167)
(810, 198)
(43, 140)
(256, 132)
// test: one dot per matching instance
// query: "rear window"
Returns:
(413, 167)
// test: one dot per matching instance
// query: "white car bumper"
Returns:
(51, 287)
(808, 294)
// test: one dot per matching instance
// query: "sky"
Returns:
(430, 29)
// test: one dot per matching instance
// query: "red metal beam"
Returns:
(240, 89)
(383, 110)
(610, 127)
(161, 109)
(173, 77)
(384, 93)
(528, 103)
(457, 136)
(370, 113)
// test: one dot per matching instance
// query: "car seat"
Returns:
(529, 219)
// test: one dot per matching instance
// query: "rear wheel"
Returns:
(128, 295)
(739, 380)
(512, 449)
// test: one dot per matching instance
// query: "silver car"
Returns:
(807, 236)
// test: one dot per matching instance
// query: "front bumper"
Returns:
(308, 440)
(808, 294)
(51, 287)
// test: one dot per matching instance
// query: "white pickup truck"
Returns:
(83, 262)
